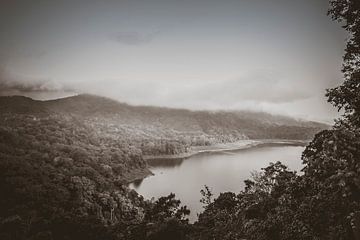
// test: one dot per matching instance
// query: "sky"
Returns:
(276, 56)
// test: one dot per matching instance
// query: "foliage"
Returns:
(58, 180)
(206, 196)
(346, 96)
(324, 202)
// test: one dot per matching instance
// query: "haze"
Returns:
(277, 56)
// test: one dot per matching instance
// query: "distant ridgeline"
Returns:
(156, 130)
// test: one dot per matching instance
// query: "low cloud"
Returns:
(259, 86)
(11, 85)
(254, 90)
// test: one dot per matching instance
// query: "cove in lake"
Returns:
(221, 171)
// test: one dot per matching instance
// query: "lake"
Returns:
(221, 171)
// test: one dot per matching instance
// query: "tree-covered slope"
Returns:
(64, 164)
(243, 123)
(157, 130)
(55, 173)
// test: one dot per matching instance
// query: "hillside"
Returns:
(74, 157)
(157, 130)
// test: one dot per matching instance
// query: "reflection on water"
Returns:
(137, 183)
(165, 163)
(221, 171)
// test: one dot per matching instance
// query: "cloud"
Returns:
(259, 86)
(134, 38)
(11, 85)
(30, 86)
(254, 90)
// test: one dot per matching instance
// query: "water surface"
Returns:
(221, 171)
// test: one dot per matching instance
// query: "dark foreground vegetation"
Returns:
(61, 180)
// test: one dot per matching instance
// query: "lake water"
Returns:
(221, 171)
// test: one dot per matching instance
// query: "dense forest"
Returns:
(60, 179)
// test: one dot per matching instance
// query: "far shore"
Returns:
(225, 147)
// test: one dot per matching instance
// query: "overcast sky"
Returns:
(269, 55)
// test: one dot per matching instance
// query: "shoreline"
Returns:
(227, 147)
(216, 148)
(138, 174)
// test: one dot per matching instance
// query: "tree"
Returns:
(346, 96)
(333, 158)
(206, 196)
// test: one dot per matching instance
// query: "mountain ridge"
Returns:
(91, 102)
(141, 124)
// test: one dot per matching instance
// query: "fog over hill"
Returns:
(144, 122)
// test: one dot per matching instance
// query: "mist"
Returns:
(274, 56)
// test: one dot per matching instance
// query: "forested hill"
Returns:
(144, 122)
(64, 163)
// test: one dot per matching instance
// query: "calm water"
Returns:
(224, 171)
